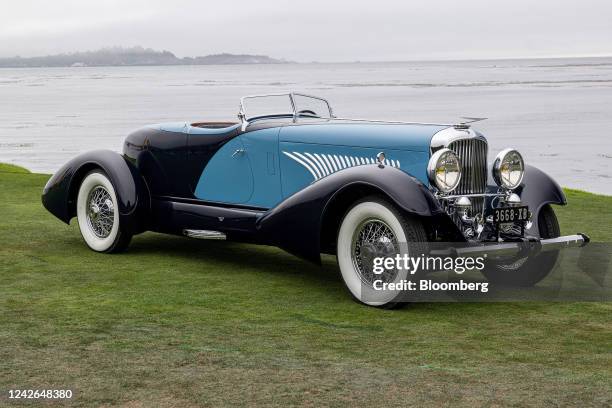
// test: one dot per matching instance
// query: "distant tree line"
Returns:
(134, 56)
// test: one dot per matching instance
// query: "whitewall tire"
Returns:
(374, 228)
(98, 214)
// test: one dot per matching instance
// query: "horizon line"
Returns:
(353, 61)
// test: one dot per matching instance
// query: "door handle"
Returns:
(238, 152)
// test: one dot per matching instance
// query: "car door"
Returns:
(261, 149)
(227, 177)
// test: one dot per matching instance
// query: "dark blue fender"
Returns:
(538, 189)
(301, 223)
(60, 193)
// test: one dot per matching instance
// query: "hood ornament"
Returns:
(466, 123)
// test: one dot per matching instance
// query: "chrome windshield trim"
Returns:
(245, 119)
(294, 114)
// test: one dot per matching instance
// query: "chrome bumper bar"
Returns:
(510, 249)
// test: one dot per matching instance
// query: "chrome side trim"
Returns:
(204, 234)
(392, 122)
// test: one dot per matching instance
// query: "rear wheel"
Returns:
(98, 215)
(374, 228)
(527, 271)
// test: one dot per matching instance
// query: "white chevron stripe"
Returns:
(337, 161)
(322, 165)
(330, 162)
(312, 165)
(345, 162)
(320, 159)
(303, 164)
(329, 165)
(326, 171)
(316, 162)
(330, 158)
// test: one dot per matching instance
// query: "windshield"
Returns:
(289, 105)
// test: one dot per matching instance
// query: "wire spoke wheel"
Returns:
(100, 212)
(373, 228)
(372, 239)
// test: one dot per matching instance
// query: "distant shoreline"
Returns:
(133, 57)
(141, 57)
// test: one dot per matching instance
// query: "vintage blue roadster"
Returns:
(291, 174)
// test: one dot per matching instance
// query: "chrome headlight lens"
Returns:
(444, 170)
(508, 169)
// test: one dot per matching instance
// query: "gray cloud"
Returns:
(340, 30)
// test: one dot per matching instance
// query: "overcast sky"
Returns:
(322, 30)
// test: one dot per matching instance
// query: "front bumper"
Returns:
(525, 247)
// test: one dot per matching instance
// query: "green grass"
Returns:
(11, 168)
(178, 322)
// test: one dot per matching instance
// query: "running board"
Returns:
(204, 234)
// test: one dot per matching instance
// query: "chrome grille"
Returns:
(473, 156)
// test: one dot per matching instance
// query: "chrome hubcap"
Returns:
(373, 238)
(100, 212)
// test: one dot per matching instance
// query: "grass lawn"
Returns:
(179, 322)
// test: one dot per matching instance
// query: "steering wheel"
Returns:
(307, 112)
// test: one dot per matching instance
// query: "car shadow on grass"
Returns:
(263, 260)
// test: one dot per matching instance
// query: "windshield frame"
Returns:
(294, 114)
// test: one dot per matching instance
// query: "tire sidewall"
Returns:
(91, 181)
(353, 218)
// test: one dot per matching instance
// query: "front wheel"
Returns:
(528, 271)
(373, 228)
(98, 215)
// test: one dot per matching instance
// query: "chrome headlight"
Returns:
(444, 170)
(508, 169)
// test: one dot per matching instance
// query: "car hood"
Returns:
(415, 137)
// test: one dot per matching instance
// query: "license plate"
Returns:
(506, 215)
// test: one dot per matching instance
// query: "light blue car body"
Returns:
(263, 167)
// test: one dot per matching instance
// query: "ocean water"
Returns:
(557, 112)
